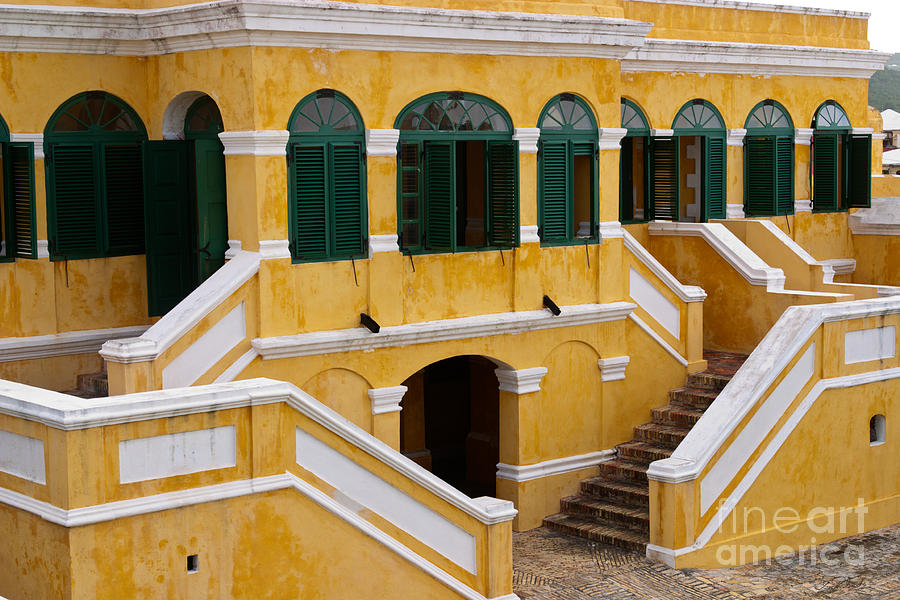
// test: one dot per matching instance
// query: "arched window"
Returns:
(699, 135)
(567, 171)
(841, 161)
(327, 178)
(634, 182)
(95, 180)
(17, 226)
(769, 161)
(203, 120)
(457, 175)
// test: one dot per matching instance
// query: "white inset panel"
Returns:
(869, 344)
(22, 456)
(657, 305)
(358, 487)
(177, 454)
(206, 351)
(763, 421)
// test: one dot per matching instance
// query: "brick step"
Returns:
(705, 380)
(594, 531)
(617, 492)
(692, 397)
(632, 517)
(643, 452)
(664, 435)
(677, 415)
(625, 470)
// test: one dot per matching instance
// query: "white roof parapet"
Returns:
(780, 8)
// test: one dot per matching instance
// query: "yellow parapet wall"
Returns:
(744, 486)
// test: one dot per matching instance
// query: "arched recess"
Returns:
(567, 172)
(95, 196)
(634, 171)
(769, 161)
(450, 422)
(688, 178)
(17, 215)
(841, 162)
(327, 179)
(186, 203)
(345, 392)
(457, 175)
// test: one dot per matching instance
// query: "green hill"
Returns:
(884, 87)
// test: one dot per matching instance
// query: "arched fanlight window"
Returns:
(634, 172)
(701, 119)
(327, 178)
(95, 193)
(841, 161)
(203, 119)
(458, 182)
(17, 225)
(769, 161)
(567, 171)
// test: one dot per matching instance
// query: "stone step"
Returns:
(632, 517)
(708, 381)
(664, 435)
(625, 470)
(597, 532)
(94, 383)
(643, 452)
(692, 397)
(677, 415)
(618, 492)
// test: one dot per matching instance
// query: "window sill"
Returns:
(575, 242)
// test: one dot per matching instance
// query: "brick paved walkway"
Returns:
(552, 566)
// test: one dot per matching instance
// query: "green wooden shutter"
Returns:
(784, 179)
(860, 171)
(626, 181)
(212, 206)
(714, 192)
(20, 199)
(664, 180)
(411, 192)
(75, 212)
(348, 210)
(556, 191)
(124, 193)
(503, 193)
(440, 196)
(825, 175)
(310, 201)
(760, 176)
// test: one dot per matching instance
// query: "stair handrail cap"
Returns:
(672, 470)
(129, 350)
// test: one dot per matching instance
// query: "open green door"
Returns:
(212, 211)
(167, 218)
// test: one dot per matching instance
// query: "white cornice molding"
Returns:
(613, 369)
(510, 323)
(610, 230)
(255, 143)
(802, 205)
(383, 243)
(556, 466)
(686, 293)
(528, 234)
(382, 142)
(663, 133)
(611, 138)
(312, 24)
(387, 400)
(274, 249)
(691, 56)
(63, 344)
(862, 131)
(521, 381)
(799, 10)
(736, 137)
(803, 136)
(734, 211)
(528, 139)
(35, 138)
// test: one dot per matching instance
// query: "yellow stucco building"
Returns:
(326, 298)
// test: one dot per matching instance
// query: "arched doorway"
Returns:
(186, 212)
(841, 161)
(450, 423)
(700, 161)
(634, 180)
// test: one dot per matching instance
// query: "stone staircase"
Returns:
(91, 385)
(614, 508)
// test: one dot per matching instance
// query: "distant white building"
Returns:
(890, 162)
(891, 126)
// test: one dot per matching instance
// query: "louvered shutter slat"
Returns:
(124, 199)
(664, 190)
(860, 171)
(760, 176)
(715, 178)
(825, 176)
(21, 201)
(348, 216)
(440, 198)
(555, 181)
(310, 190)
(784, 159)
(503, 190)
(76, 208)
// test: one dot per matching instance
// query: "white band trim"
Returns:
(255, 143)
(803, 137)
(383, 243)
(521, 381)
(63, 344)
(382, 142)
(528, 234)
(387, 400)
(611, 138)
(274, 249)
(734, 211)
(528, 138)
(613, 369)
(556, 466)
(736, 137)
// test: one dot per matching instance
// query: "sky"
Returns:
(883, 24)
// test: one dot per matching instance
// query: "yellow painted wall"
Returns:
(876, 259)
(37, 561)
(344, 392)
(887, 186)
(58, 373)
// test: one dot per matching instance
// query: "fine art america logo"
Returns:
(827, 522)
